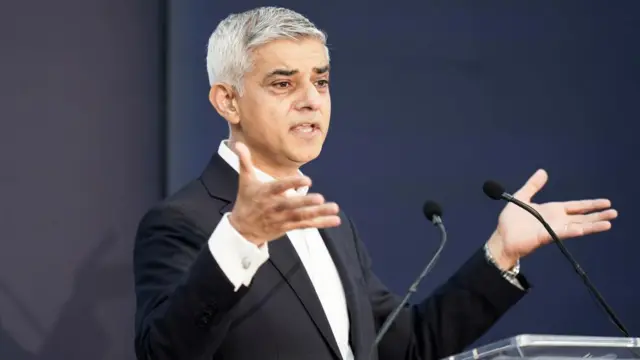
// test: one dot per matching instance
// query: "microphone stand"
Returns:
(437, 221)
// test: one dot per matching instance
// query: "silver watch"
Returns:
(511, 274)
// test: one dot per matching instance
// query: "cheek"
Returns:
(326, 110)
(268, 118)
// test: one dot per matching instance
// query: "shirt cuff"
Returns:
(514, 281)
(238, 258)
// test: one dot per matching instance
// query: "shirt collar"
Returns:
(232, 159)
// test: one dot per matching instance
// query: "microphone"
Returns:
(496, 191)
(433, 212)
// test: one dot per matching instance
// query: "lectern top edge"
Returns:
(554, 347)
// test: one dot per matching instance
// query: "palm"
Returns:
(521, 233)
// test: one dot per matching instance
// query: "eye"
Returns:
(281, 84)
(323, 83)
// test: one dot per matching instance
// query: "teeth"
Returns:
(304, 127)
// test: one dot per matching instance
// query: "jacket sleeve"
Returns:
(452, 318)
(183, 297)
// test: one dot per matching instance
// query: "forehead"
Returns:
(302, 55)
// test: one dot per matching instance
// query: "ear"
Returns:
(224, 99)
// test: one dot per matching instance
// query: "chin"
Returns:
(303, 156)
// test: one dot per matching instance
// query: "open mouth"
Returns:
(305, 128)
(306, 131)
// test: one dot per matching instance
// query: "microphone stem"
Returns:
(437, 221)
(574, 263)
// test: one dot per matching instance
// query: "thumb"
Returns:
(532, 186)
(246, 164)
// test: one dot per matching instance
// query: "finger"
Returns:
(280, 186)
(294, 202)
(586, 206)
(596, 227)
(595, 217)
(246, 164)
(576, 230)
(320, 222)
(532, 186)
(309, 212)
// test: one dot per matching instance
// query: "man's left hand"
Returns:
(519, 233)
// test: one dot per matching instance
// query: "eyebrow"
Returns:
(321, 70)
(284, 72)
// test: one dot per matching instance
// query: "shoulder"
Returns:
(346, 222)
(191, 208)
(349, 229)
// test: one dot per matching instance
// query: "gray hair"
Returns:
(230, 45)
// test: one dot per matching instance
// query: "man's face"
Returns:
(285, 107)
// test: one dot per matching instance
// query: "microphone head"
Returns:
(430, 209)
(493, 189)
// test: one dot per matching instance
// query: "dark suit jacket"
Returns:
(187, 309)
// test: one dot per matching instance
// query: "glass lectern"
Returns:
(555, 347)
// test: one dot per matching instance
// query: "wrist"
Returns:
(504, 260)
(246, 234)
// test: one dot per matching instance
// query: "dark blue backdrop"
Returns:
(432, 98)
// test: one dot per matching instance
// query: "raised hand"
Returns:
(262, 212)
(519, 233)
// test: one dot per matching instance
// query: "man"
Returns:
(245, 263)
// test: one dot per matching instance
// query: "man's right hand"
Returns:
(263, 213)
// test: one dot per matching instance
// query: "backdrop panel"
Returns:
(80, 151)
(430, 99)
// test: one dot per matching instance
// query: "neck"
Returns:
(266, 164)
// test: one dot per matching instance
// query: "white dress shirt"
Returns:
(240, 259)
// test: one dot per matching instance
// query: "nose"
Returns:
(311, 98)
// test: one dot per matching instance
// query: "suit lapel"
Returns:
(284, 258)
(335, 244)
(221, 181)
